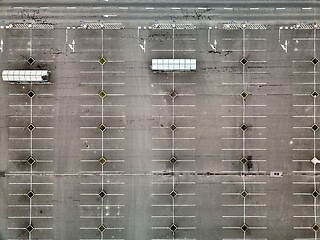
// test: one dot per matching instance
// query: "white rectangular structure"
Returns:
(25, 75)
(170, 65)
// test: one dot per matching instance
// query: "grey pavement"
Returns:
(136, 177)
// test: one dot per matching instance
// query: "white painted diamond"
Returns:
(315, 160)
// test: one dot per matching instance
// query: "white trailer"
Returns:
(25, 76)
(171, 65)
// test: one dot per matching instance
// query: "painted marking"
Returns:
(214, 45)
(241, 216)
(71, 46)
(285, 46)
(143, 46)
(170, 50)
(111, 15)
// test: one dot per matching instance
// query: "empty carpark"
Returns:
(111, 147)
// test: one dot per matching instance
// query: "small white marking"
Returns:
(111, 15)
(285, 46)
(72, 45)
(241, 216)
(1, 45)
(143, 47)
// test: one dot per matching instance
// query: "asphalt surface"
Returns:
(205, 192)
(66, 13)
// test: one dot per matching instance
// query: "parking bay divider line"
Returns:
(109, 160)
(105, 116)
(105, 83)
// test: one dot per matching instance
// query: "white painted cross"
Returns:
(143, 47)
(1, 45)
(72, 45)
(285, 46)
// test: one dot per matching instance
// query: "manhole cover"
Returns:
(314, 127)
(244, 127)
(30, 194)
(31, 94)
(30, 60)
(244, 61)
(314, 94)
(29, 228)
(101, 228)
(102, 161)
(315, 227)
(102, 61)
(102, 127)
(173, 160)
(102, 194)
(244, 193)
(315, 193)
(31, 127)
(173, 227)
(243, 160)
(173, 194)
(31, 160)
(244, 94)
(314, 61)
(102, 94)
(244, 227)
(173, 127)
(173, 94)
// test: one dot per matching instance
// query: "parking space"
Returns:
(244, 144)
(173, 149)
(31, 137)
(305, 131)
(102, 126)
(229, 151)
